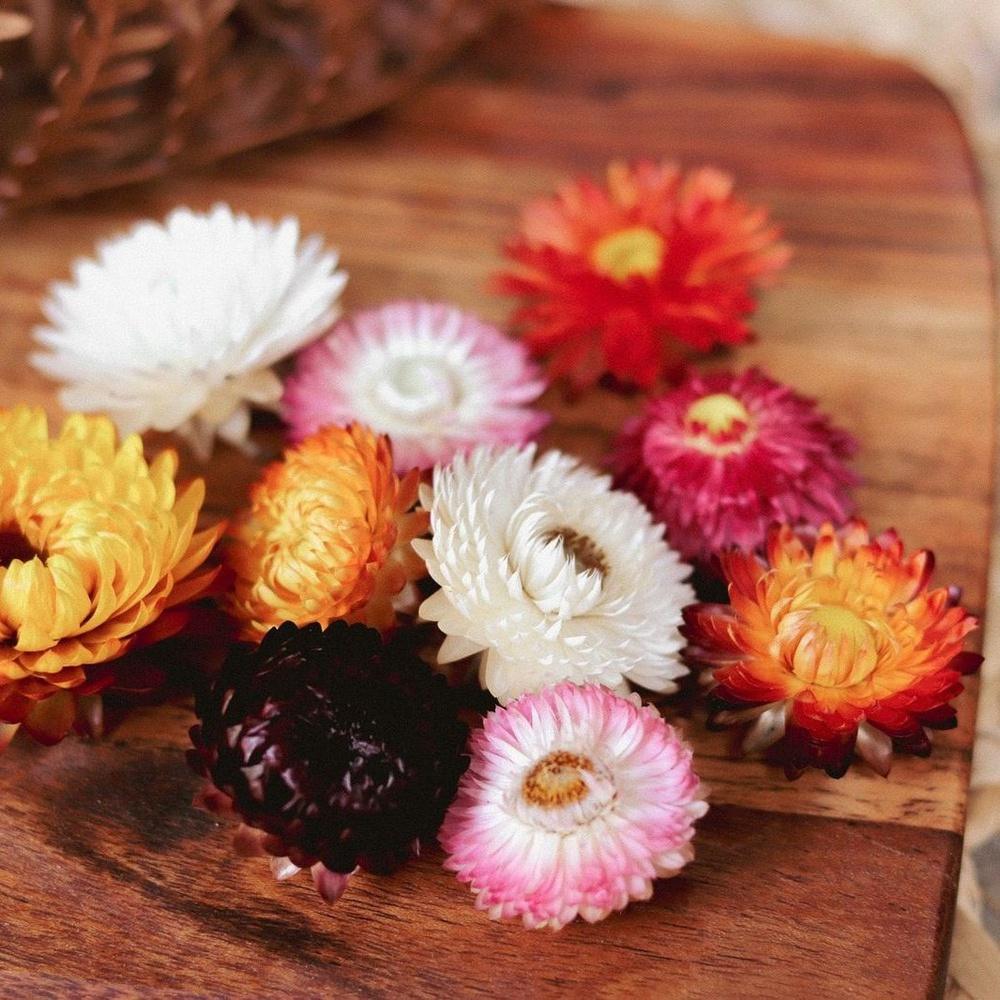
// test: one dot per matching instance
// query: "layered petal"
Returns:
(327, 535)
(574, 802)
(723, 456)
(553, 574)
(174, 327)
(336, 750)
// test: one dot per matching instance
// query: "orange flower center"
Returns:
(835, 648)
(718, 424)
(627, 253)
(557, 780)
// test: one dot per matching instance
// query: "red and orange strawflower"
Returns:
(832, 646)
(631, 277)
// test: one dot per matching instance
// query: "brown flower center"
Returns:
(718, 424)
(582, 549)
(626, 253)
(14, 545)
(557, 780)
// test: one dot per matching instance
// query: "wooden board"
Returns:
(112, 886)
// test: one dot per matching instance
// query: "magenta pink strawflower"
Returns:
(722, 457)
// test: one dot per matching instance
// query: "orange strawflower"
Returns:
(95, 545)
(833, 646)
(630, 277)
(327, 535)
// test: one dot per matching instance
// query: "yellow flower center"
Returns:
(626, 253)
(836, 649)
(841, 623)
(718, 424)
(557, 780)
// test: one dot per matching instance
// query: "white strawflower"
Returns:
(551, 572)
(175, 327)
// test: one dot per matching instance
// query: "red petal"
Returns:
(50, 720)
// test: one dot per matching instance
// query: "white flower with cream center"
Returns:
(175, 327)
(551, 573)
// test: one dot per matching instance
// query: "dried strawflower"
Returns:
(175, 327)
(334, 750)
(722, 457)
(437, 380)
(96, 544)
(327, 535)
(574, 802)
(551, 572)
(626, 279)
(832, 646)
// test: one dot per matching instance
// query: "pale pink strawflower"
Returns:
(575, 800)
(437, 380)
(723, 456)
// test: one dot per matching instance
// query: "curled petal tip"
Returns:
(283, 868)
(875, 748)
(8, 730)
(330, 885)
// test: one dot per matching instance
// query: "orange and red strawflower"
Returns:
(833, 646)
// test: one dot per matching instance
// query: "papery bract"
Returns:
(99, 553)
(551, 574)
(175, 327)
(722, 457)
(326, 536)
(333, 749)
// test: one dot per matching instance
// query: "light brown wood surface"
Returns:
(113, 886)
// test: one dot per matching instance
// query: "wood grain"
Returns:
(114, 886)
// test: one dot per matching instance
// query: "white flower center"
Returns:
(562, 791)
(410, 388)
(562, 569)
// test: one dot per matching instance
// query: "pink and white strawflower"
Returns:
(437, 380)
(575, 800)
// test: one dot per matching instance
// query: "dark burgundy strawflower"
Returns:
(335, 749)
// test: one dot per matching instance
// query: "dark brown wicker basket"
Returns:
(96, 93)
